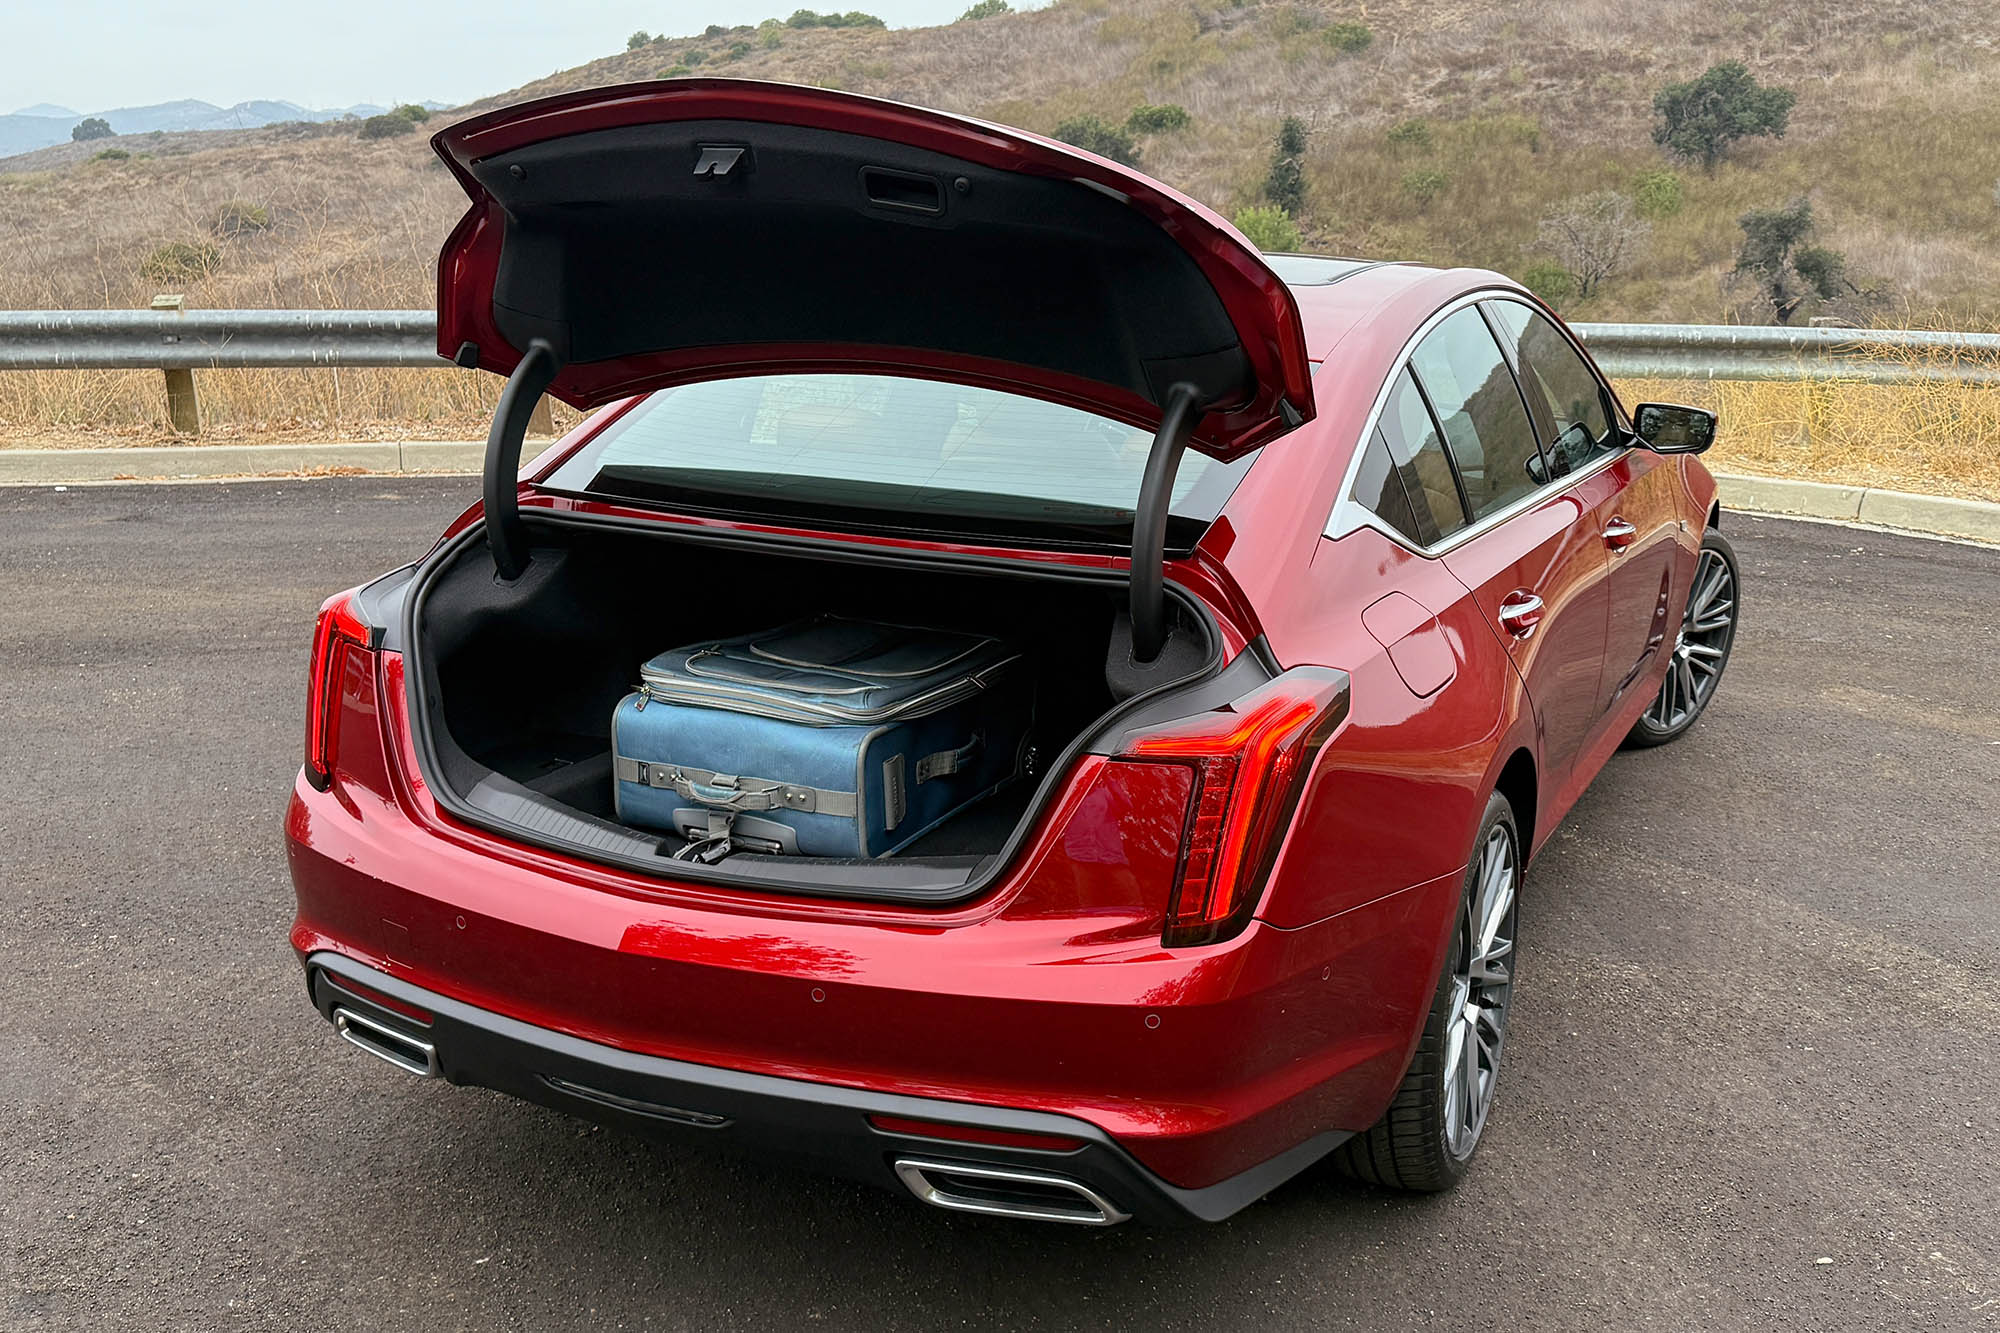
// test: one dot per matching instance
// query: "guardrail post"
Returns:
(183, 407)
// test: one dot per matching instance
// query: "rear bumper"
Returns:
(819, 1126)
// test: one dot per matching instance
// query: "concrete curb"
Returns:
(1978, 520)
(41, 467)
(1941, 514)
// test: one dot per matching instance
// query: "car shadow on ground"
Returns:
(623, 1225)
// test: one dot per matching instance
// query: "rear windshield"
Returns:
(887, 451)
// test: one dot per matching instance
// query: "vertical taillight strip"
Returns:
(340, 626)
(1253, 760)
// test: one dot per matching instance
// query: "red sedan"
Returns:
(1334, 584)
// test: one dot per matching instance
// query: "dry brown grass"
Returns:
(1930, 438)
(1529, 103)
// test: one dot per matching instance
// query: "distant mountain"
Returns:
(24, 134)
(45, 124)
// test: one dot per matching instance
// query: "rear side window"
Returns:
(1416, 450)
(1379, 488)
(1584, 427)
(1480, 409)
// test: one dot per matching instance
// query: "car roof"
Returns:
(1339, 295)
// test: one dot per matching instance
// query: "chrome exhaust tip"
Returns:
(386, 1043)
(1034, 1196)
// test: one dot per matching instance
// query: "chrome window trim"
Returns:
(1349, 515)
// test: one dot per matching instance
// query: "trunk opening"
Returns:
(514, 682)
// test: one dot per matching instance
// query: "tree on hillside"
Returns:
(1093, 134)
(1778, 255)
(986, 9)
(1701, 118)
(1285, 183)
(1593, 237)
(90, 127)
(638, 39)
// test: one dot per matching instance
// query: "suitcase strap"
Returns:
(946, 762)
(729, 791)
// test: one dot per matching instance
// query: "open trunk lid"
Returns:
(695, 228)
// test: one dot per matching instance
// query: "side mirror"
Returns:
(1667, 428)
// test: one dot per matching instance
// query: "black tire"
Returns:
(1662, 721)
(1409, 1148)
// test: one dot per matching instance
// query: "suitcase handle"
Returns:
(726, 791)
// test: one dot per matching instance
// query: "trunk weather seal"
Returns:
(995, 867)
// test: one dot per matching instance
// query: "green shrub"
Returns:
(853, 18)
(695, 57)
(90, 127)
(1550, 281)
(715, 30)
(1348, 38)
(1270, 229)
(181, 261)
(1425, 186)
(675, 72)
(1149, 119)
(986, 9)
(1095, 135)
(1285, 182)
(1658, 194)
(237, 217)
(413, 113)
(771, 38)
(110, 155)
(1700, 119)
(1414, 134)
(738, 50)
(638, 39)
(385, 127)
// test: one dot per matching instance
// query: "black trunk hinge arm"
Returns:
(1149, 521)
(506, 534)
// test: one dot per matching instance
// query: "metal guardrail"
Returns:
(223, 339)
(1746, 352)
(215, 339)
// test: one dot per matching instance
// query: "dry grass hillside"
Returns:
(1521, 104)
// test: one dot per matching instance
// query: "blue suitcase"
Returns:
(826, 737)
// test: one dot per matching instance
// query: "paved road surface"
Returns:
(1759, 1026)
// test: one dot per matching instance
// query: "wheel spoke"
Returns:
(1454, 1055)
(1705, 593)
(1714, 618)
(1468, 1076)
(1704, 651)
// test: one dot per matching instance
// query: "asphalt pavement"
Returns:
(1753, 1079)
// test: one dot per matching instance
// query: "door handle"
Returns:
(1520, 613)
(1619, 534)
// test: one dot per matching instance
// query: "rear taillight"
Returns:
(1252, 761)
(339, 629)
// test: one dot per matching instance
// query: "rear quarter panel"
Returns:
(1400, 789)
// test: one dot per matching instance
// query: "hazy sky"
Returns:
(93, 55)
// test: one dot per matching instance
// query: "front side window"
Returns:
(1584, 428)
(887, 449)
(1479, 406)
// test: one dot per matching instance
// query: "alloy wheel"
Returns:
(1482, 985)
(1701, 647)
